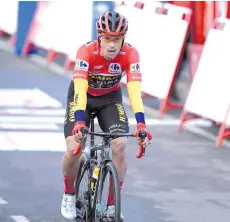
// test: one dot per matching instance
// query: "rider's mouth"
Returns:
(112, 50)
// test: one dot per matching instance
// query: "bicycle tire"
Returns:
(109, 167)
(82, 160)
(80, 176)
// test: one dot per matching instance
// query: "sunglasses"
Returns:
(108, 39)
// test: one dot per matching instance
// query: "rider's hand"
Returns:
(148, 138)
(76, 132)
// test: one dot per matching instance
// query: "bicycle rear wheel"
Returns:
(108, 179)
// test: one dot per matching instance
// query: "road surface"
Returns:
(182, 178)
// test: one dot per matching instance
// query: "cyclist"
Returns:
(95, 87)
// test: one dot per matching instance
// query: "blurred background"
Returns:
(184, 49)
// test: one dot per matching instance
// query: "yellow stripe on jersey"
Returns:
(80, 94)
(134, 91)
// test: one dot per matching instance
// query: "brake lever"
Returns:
(142, 134)
(84, 131)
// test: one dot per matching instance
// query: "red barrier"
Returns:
(158, 78)
(208, 96)
(224, 131)
(139, 5)
(228, 10)
(205, 13)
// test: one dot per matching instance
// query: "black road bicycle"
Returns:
(94, 169)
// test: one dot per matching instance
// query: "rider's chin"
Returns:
(111, 54)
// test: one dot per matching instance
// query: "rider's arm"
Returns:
(80, 79)
(134, 85)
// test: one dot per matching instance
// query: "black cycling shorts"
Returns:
(109, 110)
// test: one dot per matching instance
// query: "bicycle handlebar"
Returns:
(142, 134)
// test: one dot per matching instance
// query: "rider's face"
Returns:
(110, 45)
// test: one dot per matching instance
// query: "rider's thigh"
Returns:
(113, 118)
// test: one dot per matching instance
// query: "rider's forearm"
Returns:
(134, 90)
(80, 98)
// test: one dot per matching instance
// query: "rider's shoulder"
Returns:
(128, 47)
(89, 46)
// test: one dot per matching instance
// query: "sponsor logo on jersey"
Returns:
(136, 78)
(79, 75)
(135, 68)
(103, 81)
(114, 67)
(98, 67)
(81, 65)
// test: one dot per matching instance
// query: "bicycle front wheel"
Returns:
(82, 191)
(108, 192)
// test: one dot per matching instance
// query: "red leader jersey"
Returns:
(104, 76)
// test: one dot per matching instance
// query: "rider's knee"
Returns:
(119, 146)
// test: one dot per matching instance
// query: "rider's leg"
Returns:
(120, 157)
(70, 162)
(69, 169)
(70, 165)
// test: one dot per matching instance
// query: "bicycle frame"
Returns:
(92, 157)
(92, 160)
(104, 147)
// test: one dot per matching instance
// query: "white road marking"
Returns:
(19, 218)
(39, 112)
(31, 119)
(32, 141)
(28, 98)
(2, 201)
(28, 126)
